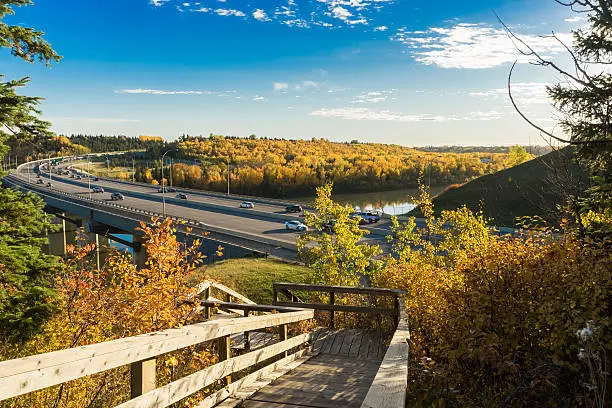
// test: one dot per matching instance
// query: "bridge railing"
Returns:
(145, 215)
(29, 374)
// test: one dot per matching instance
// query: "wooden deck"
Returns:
(340, 374)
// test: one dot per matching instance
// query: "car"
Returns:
(181, 196)
(171, 190)
(117, 196)
(247, 204)
(78, 177)
(40, 181)
(358, 217)
(96, 179)
(72, 176)
(296, 226)
(366, 216)
(49, 184)
(96, 189)
(294, 208)
(162, 190)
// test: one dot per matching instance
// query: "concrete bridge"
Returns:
(215, 218)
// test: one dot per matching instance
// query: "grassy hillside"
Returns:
(254, 277)
(532, 188)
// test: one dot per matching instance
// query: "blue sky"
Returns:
(390, 71)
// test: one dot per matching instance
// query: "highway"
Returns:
(266, 220)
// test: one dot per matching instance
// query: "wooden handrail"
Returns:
(249, 307)
(337, 289)
(388, 390)
(24, 375)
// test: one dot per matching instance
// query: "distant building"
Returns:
(485, 160)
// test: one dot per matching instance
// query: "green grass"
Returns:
(253, 278)
(534, 188)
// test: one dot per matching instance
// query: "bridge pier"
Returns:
(140, 254)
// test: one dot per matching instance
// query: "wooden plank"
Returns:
(252, 308)
(232, 293)
(349, 336)
(33, 373)
(366, 339)
(388, 389)
(329, 341)
(354, 350)
(177, 390)
(335, 349)
(338, 289)
(375, 346)
(323, 334)
(142, 377)
(249, 384)
(340, 308)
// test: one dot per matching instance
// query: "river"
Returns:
(394, 202)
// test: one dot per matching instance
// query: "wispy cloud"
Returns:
(525, 93)
(259, 98)
(161, 92)
(374, 96)
(296, 13)
(473, 46)
(353, 113)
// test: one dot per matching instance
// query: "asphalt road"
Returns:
(230, 216)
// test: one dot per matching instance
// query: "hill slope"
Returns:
(533, 188)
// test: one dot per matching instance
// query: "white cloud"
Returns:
(158, 3)
(352, 113)
(160, 92)
(259, 98)
(575, 19)
(473, 46)
(229, 12)
(280, 86)
(373, 96)
(524, 93)
(260, 15)
(381, 28)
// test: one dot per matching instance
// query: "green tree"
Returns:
(583, 99)
(19, 114)
(331, 247)
(25, 271)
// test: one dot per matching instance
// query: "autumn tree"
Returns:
(332, 246)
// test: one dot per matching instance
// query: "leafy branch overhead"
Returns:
(25, 43)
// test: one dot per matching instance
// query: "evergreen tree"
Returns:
(25, 271)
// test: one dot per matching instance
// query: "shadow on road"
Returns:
(279, 231)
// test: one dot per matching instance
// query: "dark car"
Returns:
(294, 208)
(40, 181)
(329, 227)
(181, 196)
(117, 196)
(96, 179)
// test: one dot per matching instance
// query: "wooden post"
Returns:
(397, 310)
(247, 341)
(225, 352)
(142, 377)
(275, 294)
(332, 301)
(228, 298)
(206, 308)
(282, 334)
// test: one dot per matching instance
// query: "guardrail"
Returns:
(145, 215)
(28, 374)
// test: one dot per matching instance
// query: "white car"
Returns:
(296, 225)
(96, 189)
(247, 204)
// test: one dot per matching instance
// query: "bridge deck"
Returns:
(339, 375)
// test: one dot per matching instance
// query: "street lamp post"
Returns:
(49, 167)
(88, 178)
(163, 189)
